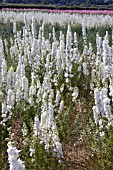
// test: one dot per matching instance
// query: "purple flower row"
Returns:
(62, 11)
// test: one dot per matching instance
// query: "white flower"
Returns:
(36, 125)
(4, 108)
(32, 151)
(59, 149)
(67, 80)
(3, 70)
(66, 75)
(32, 90)
(57, 97)
(61, 105)
(10, 97)
(102, 134)
(95, 113)
(18, 95)
(75, 93)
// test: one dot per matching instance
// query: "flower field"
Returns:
(56, 90)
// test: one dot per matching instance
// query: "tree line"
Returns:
(62, 2)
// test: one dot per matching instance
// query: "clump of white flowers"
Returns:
(15, 162)
(102, 108)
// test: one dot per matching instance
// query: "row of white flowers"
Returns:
(60, 18)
